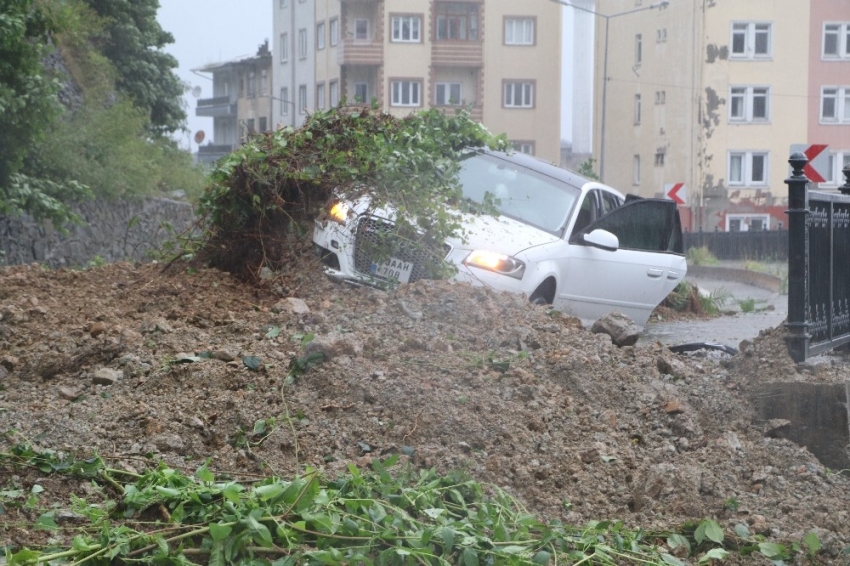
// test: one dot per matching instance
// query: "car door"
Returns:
(632, 279)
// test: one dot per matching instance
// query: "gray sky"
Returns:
(211, 31)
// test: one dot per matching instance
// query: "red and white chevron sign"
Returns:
(677, 192)
(817, 169)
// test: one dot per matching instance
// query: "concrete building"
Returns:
(500, 59)
(241, 102)
(712, 94)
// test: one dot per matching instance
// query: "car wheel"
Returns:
(544, 294)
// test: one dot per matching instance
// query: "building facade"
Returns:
(711, 95)
(500, 59)
(241, 102)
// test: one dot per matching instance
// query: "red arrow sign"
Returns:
(811, 152)
(673, 195)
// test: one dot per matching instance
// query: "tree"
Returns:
(133, 41)
(27, 94)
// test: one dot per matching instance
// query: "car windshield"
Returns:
(519, 192)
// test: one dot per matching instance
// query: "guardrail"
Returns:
(818, 266)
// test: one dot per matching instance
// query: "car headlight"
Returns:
(500, 263)
(339, 212)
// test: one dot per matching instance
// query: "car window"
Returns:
(520, 192)
(646, 225)
(610, 201)
(586, 213)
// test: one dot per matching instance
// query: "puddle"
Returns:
(819, 416)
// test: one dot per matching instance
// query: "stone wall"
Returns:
(113, 231)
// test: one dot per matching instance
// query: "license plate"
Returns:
(394, 269)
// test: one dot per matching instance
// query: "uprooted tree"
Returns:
(263, 196)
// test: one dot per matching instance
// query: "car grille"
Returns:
(370, 236)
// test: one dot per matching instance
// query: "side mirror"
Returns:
(602, 239)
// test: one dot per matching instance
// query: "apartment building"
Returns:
(711, 95)
(241, 102)
(501, 59)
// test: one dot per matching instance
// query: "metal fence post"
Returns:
(798, 259)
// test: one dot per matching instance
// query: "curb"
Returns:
(745, 276)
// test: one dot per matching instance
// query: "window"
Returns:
(519, 31)
(661, 35)
(660, 97)
(519, 94)
(284, 47)
(638, 49)
(334, 25)
(836, 40)
(302, 43)
(407, 29)
(523, 146)
(751, 40)
(361, 29)
(252, 85)
(637, 109)
(250, 125)
(264, 82)
(334, 88)
(320, 35)
(835, 172)
(263, 127)
(447, 94)
(320, 96)
(302, 99)
(456, 21)
(636, 170)
(406, 93)
(835, 105)
(284, 101)
(748, 104)
(361, 92)
(659, 156)
(747, 168)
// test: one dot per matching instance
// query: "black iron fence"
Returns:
(818, 269)
(757, 245)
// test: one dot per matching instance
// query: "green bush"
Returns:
(701, 256)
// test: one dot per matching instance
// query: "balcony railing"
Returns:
(476, 112)
(457, 53)
(352, 52)
(211, 153)
(215, 107)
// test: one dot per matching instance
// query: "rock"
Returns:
(68, 393)
(106, 376)
(222, 355)
(293, 305)
(674, 407)
(97, 329)
(671, 366)
(9, 362)
(776, 428)
(168, 443)
(622, 329)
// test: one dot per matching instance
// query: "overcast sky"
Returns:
(211, 31)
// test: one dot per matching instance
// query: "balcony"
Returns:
(211, 153)
(217, 107)
(476, 112)
(351, 52)
(457, 53)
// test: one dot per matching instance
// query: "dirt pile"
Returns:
(187, 365)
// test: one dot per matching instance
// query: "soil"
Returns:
(135, 363)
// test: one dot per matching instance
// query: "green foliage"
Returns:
(586, 169)
(686, 297)
(133, 40)
(44, 199)
(701, 256)
(279, 181)
(747, 305)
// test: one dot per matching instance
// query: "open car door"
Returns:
(634, 278)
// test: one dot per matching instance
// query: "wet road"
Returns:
(770, 310)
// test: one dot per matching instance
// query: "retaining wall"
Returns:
(113, 231)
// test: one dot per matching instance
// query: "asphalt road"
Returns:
(770, 310)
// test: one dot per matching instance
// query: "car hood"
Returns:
(499, 234)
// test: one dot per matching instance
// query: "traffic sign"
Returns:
(677, 192)
(817, 169)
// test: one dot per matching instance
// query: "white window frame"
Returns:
(840, 97)
(637, 109)
(320, 36)
(660, 97)
(320, 96)
(302, 99)
(518, 94)
(361, 86)
(661, 35)
(750, 31)
(365, 35)
(333, 92)
(406, 93)
(284, 47)
(841, 30)
(638, 48)
(746, 158)
(835, 168)
(447, 88)
(519, 31)
(284, 101)
(414, 29)
(302, 43)
(730, 218)
(333, 27)
(636, 170)
(746, 95)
